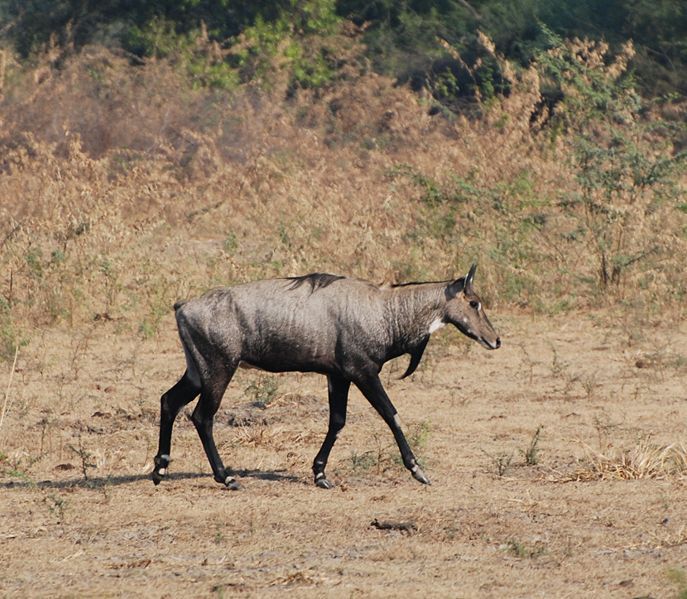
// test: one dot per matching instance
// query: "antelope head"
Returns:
(464, 310)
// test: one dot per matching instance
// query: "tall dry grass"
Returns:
(123, 188)
(643, 460)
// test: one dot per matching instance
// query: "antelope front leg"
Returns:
(371, 387)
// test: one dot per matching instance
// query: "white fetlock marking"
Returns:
(319, 475)
(162, 471)
(164, 457)
(415, 468)
(229, 480)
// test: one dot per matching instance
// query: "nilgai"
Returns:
(343, 328)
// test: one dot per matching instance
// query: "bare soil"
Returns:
(79, 515)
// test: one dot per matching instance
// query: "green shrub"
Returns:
(626, 171)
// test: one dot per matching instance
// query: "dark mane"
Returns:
(419, 283)
(316, 280)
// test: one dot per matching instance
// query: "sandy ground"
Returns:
(79, 515)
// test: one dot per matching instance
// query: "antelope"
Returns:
(345, 329)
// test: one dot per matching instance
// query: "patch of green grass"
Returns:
(159, 301)
(679, 578)
(16, 467)
(34, 262)
(523, 551)
(365, 461)
(262, 391)
(500, 462)
(56, 505)
(231, 243)
(531, 454)
(86, 457)
(419, 435)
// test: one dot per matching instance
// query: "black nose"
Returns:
(498, 342)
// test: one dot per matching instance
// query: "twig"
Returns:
(5, 406)
(3, 69)
(471, 8)
(407, 527)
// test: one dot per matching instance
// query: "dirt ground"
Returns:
(79, 515)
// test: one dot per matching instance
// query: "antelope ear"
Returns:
(456, 287)
(470, 276)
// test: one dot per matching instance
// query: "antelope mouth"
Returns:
(484, 342)
(490, 344)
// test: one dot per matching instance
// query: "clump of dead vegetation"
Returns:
(645, 459)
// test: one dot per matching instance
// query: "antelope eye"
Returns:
(474, 304)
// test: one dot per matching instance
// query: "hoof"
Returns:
(419, 475)
(160, 470)
(323, 483)
(232, 484)
(158, 475)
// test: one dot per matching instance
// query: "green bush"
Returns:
(624, 164)
(402, 38)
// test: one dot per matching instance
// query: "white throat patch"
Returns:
(437, 323)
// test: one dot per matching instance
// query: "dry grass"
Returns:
(643, 460)
(7, 399)
(140, 190)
